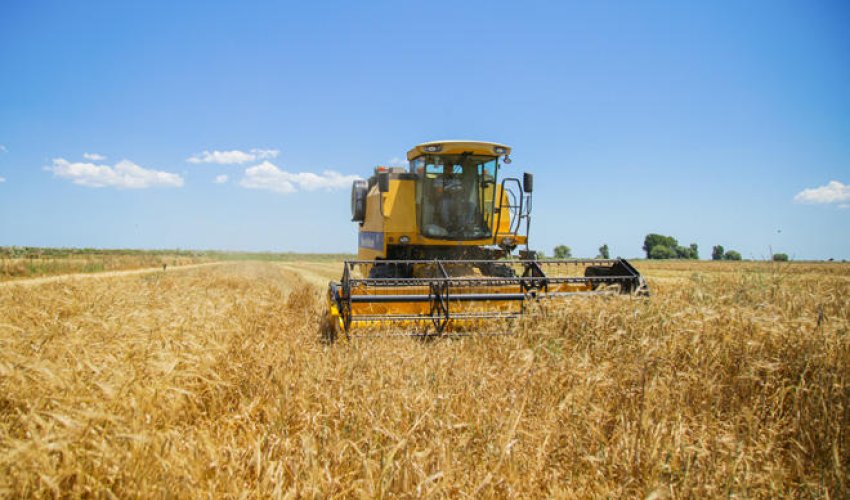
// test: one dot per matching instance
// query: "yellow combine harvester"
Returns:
(436, 248)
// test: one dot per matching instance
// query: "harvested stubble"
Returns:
(213, 381)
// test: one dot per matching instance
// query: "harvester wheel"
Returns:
(327, 329)
(498, 271)
(638, 287)
(381, 271)
(597, 271)
(385, 271)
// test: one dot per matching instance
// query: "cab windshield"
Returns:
(454, 195)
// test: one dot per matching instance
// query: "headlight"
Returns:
(404, 240)
(433, 148)
(507, 241)
(499, 150)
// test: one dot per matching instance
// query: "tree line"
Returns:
(565, 252)
(659, 246)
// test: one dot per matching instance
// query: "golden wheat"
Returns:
(732, 379)
(21, 267)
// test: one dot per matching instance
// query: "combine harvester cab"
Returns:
(436, 247)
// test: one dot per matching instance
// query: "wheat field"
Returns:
(731, 380)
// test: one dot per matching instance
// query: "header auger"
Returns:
(436, 249)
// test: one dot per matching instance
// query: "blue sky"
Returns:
(727, 122)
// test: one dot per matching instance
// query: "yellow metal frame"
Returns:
(393, 215)
(458, 147)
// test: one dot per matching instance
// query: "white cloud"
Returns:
(2, 179)
(93, 157)
(220, 179)
(397, 162)
(124, 175)
(233, 157)
(832, 192)
(267, 176)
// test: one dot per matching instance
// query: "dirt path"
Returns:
(105, 274)
(315, 273)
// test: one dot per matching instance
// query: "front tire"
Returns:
(498, 271)
(327, 329)
(390, 271)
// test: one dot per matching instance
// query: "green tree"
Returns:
(780, 257)
(671, 246)
(694, 251)
(731, 255)
(603, 251)
(717, 252)
(562, 252)
(689, 252)
(653, 240)
(662, 252)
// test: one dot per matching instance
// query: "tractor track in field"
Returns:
(105, 274)
(315, 274)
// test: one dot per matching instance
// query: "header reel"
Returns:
(463, 297)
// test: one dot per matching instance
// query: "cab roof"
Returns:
(458, 147)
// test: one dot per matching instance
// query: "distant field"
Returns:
(29, 262)
(733, 379)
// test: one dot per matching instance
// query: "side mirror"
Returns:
(384, 182)
(527, 182)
